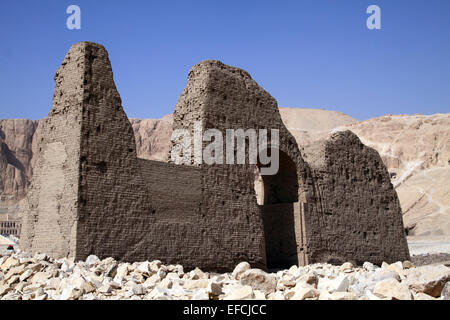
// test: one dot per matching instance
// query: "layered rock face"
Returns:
(153, 137)
(17, 144)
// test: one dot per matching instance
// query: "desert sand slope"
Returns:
(308, 125)
(314, 120)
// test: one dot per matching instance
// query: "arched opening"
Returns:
(277, 197)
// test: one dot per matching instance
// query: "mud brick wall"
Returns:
(50, 212)
(359, 217)
(224, 97)
(90, 194)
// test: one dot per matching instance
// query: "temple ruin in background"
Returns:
(91, 194)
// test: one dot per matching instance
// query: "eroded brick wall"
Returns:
(359, 217)
(50, 212)
(223, 97)
(90, 193)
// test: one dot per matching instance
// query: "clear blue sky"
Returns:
(316, 54)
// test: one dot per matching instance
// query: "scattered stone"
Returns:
(373, 296)
(41, 277)
(122, 270)
(155, 265)
(381, 274)
(337, 296)
(40, 257)
(393, 289)
(240, 269)
(166, 283)
(369, 266)
(199, 274)
(9, 263)
(201, 294)
(38, 277)
(423, 296)
(106, 288)
(84, 286)
(398, 268)
(161, 274)
(340, 284)
(214, 289)
(303, 293)
(408, 265)
(144, 267)
(70, 293)
(259, 280)
(311, 278)
(259, 295)
(278, 295)
(240, 293)
(138, 289)
(111, 271)
(286, 282)
(445, 294)
(151, 282)
(347, 267)
(292, 270)
(5, 289)
(92, 260)
(428, 279)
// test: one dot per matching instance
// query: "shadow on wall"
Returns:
(277, 198)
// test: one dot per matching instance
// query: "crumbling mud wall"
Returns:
(359, 217)
(50, 212)
(90, 194)
(222, 97)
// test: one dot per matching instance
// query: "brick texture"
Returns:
(90, 194)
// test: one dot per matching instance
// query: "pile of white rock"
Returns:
(25, 276)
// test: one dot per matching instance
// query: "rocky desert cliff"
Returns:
(415, 148)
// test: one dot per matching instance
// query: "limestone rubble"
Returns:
(25, 276)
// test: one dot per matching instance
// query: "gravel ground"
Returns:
(25, 276)
(429, 251)
(418, 246)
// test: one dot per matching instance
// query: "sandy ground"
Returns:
(423, 246)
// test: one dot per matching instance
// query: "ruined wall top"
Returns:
(85, 67)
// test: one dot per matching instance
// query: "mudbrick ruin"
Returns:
(90, 194)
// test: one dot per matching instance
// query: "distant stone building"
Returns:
(10, 227)
(91, 194)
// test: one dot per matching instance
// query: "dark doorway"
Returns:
(277, 197)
